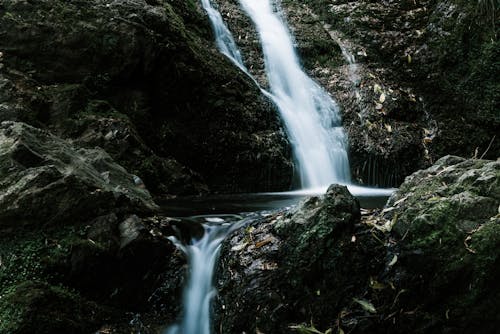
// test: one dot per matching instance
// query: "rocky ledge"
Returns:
(426, 263)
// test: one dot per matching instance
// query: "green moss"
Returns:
(32, 297)
(33, 255)
(31, 307)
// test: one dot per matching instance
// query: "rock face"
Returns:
(74, 254)
(414, 79)
(142, 80)
(426, 263)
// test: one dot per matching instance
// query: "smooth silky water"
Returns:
(310, 115)
(319, 145)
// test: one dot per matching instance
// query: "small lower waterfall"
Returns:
(199, 291)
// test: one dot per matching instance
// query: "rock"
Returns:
(45, 180)
(33, 307)
(143, 81)
(110, 270)
(426, 263)
(294, 267)
(448, 232)
(69, 244)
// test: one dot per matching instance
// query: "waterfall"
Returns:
(202, 256)
(311, 116)
(199, 291)
(223, 37)
(314, 127)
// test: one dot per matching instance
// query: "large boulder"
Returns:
(142, 78)
(447, 227)
(294, 267)
(44, 180)
(426, 263)
(76, 252)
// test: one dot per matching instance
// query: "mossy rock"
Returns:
(448, 225)
(296, 267)
(35, 307)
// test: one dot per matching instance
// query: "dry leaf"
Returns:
(393, 261)
(366, 305)
(382, 98)
(263, 242)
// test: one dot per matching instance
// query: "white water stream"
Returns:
(199, 291)
(202, 256)
(311, 116)
(223, 37)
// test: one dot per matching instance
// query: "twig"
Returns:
(488, 148)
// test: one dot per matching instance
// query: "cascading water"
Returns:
(310, 115)
(202, 255)
(314, 126)
(199, 291)
(223, 37)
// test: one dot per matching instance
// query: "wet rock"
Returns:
(45, 180)
(294, 267)
(448, 231)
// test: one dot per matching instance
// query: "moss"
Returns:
(37, 255)
(31, 307)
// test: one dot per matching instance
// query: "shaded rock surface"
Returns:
(415, 79)
(447, 224)
(46, 180)
(426, 263)
(80, 247)
(144, 81)
(85, 278)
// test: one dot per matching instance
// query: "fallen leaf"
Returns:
(239, 247)
(366, 305)
(263, 242)
(382, 98)
(393, 261)
(376, 285)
